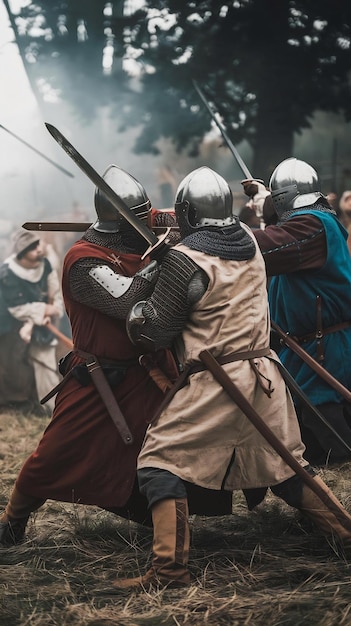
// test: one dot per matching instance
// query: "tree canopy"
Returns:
(266, 66)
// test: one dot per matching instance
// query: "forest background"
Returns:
(117, 78)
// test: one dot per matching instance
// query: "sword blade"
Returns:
(229, 143)
(78, 227)
(62, 169)
(99, 182)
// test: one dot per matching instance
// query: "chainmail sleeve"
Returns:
(180, 285)
(86, 290)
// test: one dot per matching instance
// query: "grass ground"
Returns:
(264, 568)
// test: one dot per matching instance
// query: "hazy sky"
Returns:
(16, 98)
(21, 168)
(31, 188)
(17, 104)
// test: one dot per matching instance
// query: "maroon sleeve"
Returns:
(297, 244)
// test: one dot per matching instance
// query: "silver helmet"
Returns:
(203, 199)
(131, 192)
(294, 184)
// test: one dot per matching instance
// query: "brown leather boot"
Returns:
(14, 520)
(336, 522)
(170, 548)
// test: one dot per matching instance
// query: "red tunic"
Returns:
(81, 456)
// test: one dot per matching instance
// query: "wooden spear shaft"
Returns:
(55, 331)
(235, 394)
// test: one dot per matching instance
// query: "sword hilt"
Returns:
(159, 249)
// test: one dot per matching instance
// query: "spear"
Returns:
(245, 170)
(62, 169)
(221, 376)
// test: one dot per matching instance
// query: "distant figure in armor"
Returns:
(30, 297)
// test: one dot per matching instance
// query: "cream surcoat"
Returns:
(202, 436)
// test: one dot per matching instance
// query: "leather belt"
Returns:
(230, 358)
(194, 368)
(99, 380)
(320, 333)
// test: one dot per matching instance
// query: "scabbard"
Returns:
(235, 394)
(56, 389)
(98, 377)
(105, 392)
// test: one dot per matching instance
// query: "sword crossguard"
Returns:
(158, 250)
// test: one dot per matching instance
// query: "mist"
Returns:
(34, 189)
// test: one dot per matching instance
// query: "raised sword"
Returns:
(117, 202)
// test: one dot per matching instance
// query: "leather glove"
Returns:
(257, 192)
(254, 187)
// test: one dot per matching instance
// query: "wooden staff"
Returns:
(232, 390)
(55, 331)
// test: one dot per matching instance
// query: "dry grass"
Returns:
(260, 569)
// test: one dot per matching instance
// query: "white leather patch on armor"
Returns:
(115, 284)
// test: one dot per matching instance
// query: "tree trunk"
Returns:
(275, 90)
(272, 145)
(22, 53)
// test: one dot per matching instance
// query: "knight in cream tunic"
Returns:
(202, 436)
